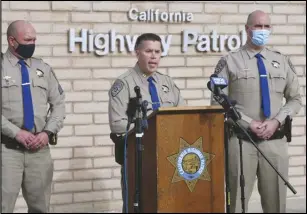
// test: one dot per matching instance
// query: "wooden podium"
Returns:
(182, 161)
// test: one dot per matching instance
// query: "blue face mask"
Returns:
(260, 37)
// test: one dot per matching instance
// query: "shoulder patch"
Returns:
(291, 65)
(220, 65)
(117, 87)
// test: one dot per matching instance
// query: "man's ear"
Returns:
(11, 41)
(137, 53)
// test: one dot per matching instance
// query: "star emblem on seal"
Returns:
(191, 163)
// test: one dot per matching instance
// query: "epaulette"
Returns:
(274, 50)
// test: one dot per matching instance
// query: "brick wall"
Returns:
(86, 177)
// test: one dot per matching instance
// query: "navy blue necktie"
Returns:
(153, 93)
(265, 92)
(26, 97)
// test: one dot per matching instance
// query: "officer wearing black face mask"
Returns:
(27, 128)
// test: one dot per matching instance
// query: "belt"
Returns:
(279, 134)
(11, 143)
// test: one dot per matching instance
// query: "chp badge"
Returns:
(117, 87)
(165, 89)
(191, 163)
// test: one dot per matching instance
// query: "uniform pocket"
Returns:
(167, 100)
(245, 81)
(40, 90)
(10, 91)
(278, 80)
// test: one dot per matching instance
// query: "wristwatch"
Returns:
(49, 133)
(52, 137)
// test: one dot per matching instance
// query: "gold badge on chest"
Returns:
(39, 73)
(275, 64)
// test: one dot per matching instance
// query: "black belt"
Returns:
(11, 143)
(279, 134)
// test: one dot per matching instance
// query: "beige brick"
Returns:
(296, 170)
(66, 131)
(106, 206)
(75, 141)
(196, 83)
(191, 94)
(20, 202)
(146, 5)
(299, 140)
(176, 39)
(92, 152)
(81, 163)
(91, 62)
(290, 50)
(250, 8)
(105, 162)
(61, 198)
(68, 108)
(28, 5)
(199, 102)
(78, 96)
(117, 194)
(72, 5)
(42, 27)
(74, 208)
(92, 130)
(111, 6)
(185, 72)
(12, 16)
(207, 94)
(288, 29)
(71, 74)
(180, 83)
(298, 60)
(199, 18)
(62, 176)
(300, 180)
(90, 17)
(299, 70)
(92, 174)
(301, 191)
(106, 28)
(186, 7)
(277, 40)
(221, 29)
(81, 85)
(42, 51)
(103, 141)
(233, 19)
(92, 196)
(56, 62)
(202, 61)
(90, 107)
(121, 17)
(101, 118)
(297, 131)
(278, 19)
(146, 28)
(51, 39)
(61, 153)
(294, 161)
(221, 8)
(296, 150)
(116, 171)
(120, 62)
(288, 9)
(208, 71)
(49, 16)
(4, 28)
(73, 186)
(63, 28)
(178, 28)
(106, 184)
(297, 19)
(299, 121)
(297, 40)
(101, 96)
(108, 73)
(66, 85)
(170, 61)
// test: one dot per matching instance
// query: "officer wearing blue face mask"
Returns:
(259, 78)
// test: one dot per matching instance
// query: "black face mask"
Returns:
(26, 51)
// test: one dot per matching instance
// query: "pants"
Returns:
(272, 190)
(31, 171)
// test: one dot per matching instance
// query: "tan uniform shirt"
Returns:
(240, 69)
(123, 89)
(45, 89)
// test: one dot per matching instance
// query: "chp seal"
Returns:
(191, 163)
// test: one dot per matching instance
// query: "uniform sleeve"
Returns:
(56, 99)
(118, 104)
(291, 93)
(179, 99)
(8, 129)
(222, 70)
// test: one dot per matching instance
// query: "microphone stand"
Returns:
(235, 116)
(140, 124)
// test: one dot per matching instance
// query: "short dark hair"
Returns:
(147, 37)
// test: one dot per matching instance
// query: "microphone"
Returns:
(137, 91)
(215, 85)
